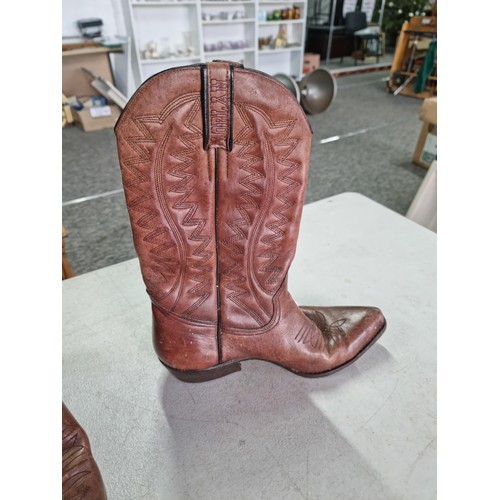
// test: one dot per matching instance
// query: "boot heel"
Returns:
(205, 375)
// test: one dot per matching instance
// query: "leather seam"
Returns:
(275, 318)
(182, 317)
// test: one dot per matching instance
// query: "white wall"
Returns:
(110, 11)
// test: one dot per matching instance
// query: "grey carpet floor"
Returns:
(363, 143)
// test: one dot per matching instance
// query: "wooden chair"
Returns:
(66, 268)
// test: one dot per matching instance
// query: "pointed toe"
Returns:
(347, 331)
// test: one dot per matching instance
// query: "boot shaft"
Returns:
(214, 163)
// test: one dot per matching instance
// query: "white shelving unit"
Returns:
(228, 31)
(193, 31)
(288, 60)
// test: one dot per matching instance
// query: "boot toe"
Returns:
(347, 331)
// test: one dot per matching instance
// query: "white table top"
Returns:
(366, 432)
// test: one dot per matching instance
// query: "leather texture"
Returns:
(81, 478)
(214, 162)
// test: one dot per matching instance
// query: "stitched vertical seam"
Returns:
(209, 167)
(217, 275)
(231, 106)
(205, 106)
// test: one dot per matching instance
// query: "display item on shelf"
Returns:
(151, 51)
(282, 39)
(90, 28)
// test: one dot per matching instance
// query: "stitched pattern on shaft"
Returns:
(163, 268)
(245, 149)
(278, 149)
(183, 171)
(273, 242)
(166, 268)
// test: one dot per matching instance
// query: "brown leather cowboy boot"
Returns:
(214, 162)
(81, 478)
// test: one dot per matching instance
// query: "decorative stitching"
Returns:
(163, 265)
(185, 156)
(234, 271)
(273, 241)
(75, 463)
(309, 335)
(331, 332)
(164, 269)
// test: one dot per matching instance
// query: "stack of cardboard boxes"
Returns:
(95, 112)
(426, 149)
(311, 62)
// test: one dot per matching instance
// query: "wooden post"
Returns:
(66, 268)
(402, 46)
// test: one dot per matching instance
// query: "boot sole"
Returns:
(218, 371)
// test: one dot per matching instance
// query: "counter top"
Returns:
(366, 432)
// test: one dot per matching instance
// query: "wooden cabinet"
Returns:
(415, 59)
(317, 41)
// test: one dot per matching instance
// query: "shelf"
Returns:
(227, 21)
(240, 2)
(277, 51)
(228, 51)
(227, 2)
(282, 2)
(284, 21)
(164, 60)
(163, 3)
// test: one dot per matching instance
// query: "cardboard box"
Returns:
(428, 111)
(370, 50)
(89, 123)
(74, 80)
(311, 62)
(423, 23)
(426, 149)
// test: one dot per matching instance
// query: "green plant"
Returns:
(396, 12)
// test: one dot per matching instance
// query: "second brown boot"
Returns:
(81, 478)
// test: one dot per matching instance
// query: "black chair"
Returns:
(356, 21)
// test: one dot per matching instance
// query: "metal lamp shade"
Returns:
(317, 91)
(289, 83)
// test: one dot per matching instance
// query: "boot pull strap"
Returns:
(218, 104)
